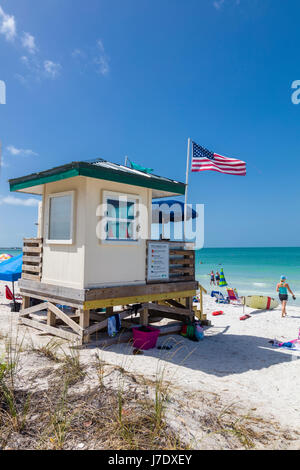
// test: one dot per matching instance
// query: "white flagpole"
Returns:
(186, 185)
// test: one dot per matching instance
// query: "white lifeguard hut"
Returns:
(94, 250)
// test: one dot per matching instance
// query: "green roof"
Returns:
(99, 169)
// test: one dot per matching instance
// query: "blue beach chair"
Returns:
(220, 299)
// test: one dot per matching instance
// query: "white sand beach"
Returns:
(234, 368)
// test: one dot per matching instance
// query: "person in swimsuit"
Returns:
(217, 277)
(212, 278)
(282, 289)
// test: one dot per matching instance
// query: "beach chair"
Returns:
(220, 299)
(233, 297)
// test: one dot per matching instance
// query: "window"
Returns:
(121, 214)
(60, 218)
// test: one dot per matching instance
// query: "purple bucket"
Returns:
(145, 339)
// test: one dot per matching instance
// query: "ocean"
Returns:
(251, 270)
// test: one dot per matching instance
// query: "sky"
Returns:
(109, 78)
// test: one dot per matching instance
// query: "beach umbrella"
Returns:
(161, 211)
(11, 270)
(222, 282)
(4, 257)
(170, 210)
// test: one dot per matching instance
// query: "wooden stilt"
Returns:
(201, 302)
(51, 318)
(25, 302)
(84, 322)
(109, 311)
(189, 303)
(144, 317)
(189, 306)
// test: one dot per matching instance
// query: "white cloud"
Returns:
(21, 78)
(103, 66)
(15, 151)
(15, 201)
(102, 60)
(37, 68)
(78, 54)
(33, 65)
(100, 45)
(51, 69)
(24, 59)
(218, 4)
(7, 25)
(28, 42)
(96, 56)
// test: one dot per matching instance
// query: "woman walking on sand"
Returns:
(283, 288)
(212, 278)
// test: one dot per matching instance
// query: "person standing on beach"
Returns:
(217, 277)
(212, 278)
(283, 288)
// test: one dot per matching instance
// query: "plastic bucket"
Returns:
(145, 339)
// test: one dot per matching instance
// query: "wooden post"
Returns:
(144, 317)
(84, 322)
(201, 302)
(109, 311)
(51, 318)
(189, 303)
(25, 302)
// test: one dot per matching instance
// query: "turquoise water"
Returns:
(251, 270)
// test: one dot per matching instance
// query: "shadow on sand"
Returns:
(219, 354)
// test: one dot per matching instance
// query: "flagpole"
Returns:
(186, 185)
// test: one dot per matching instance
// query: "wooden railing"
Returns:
(181, 262)
(32, 259)
(182, 265)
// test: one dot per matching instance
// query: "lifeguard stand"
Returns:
(99, 261)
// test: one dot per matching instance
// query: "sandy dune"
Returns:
(235, 362)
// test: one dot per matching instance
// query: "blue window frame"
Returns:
(121, 219)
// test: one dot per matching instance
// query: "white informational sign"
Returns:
(158, 261)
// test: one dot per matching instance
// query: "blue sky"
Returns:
(109, 78)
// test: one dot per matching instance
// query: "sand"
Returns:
(234, 366)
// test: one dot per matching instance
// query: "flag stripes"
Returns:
(205, 160)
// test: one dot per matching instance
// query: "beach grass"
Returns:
(55, 396)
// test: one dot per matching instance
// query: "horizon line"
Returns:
(204, 247)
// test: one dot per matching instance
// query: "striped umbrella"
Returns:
(4, 257)
(222, 282)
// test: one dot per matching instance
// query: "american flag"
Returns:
(205, 160)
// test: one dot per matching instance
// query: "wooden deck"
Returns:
(172, 300)
(170, 296)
